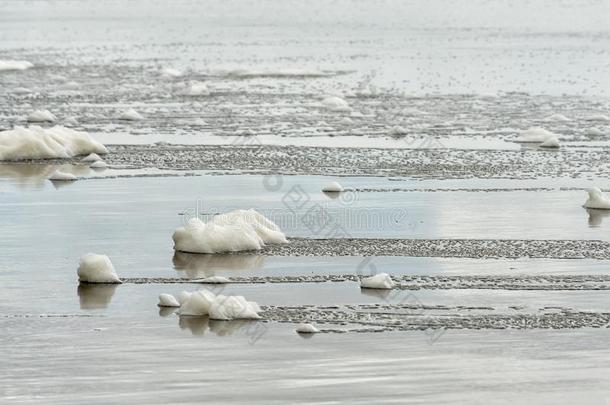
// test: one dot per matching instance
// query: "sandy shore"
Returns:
(474, 248)
(412, 163)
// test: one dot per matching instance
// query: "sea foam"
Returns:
(35, 142)
(96, 268)
(15, 65)
(235, 231)
(380, 281)
(597, 200)
(220, 307)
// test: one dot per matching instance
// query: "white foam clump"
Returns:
(131, 115)
(90, 158)
(58, 175)
(251, 73)
(220, 307)
(306, 328)
(336, 104)
(232, 232)
(534, 135)
(46, 143)
(551, 142)
(21, 90)
(398, 130)
(594, 131)
(15, 65)
(171, 72)
(380, 281)
(215, 280)
(597, 200)
(333, 187)
(41, 116)
(96, 268)
(71, 121)
(557, 117)
(168, 300)
(197, 89)
(184, 296)
(98, 164)
(598, 117)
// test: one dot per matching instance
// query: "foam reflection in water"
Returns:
(95, 296)
(27, 176)
(199, 325)
(596, 217)
(164, 312)
(376, 293)
(205, 265)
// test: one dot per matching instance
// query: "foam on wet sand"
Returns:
(381, 281)
(6, 65)
(597, 200)
(306, 328)
(131, 115)
(41, 116)
(219, 307)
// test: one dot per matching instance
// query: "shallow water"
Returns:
(99, 208)
(90, 215)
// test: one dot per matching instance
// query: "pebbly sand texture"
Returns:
(415, 163)
(471, 248)
(420, 282)
(402, 317)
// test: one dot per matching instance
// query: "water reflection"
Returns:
(376, 293)
(596, 217)
(95, 296)
(164, 312)
(332, 194)
(205, 265)
(196, 324)
(199, 325)
(227, 328)
(28, 176)
(57, 184)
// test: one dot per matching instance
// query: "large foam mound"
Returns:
(46, 143)
(235, 231)
(15, 65)
(597, 200)
(95, 268)
(221, 307)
